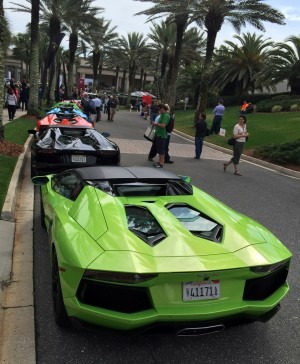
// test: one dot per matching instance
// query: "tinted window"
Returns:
(68, 185)
(142, 223)
(197, 223)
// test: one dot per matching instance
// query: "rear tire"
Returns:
(60, 314)
(42, 213)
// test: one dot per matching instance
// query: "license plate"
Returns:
(196, 291)
(78, 158)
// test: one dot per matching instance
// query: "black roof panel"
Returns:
(128, 173)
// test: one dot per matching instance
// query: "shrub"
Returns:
(288, 152)
(276, 108)
(295, 107)
(267, 105)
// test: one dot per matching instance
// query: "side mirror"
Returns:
(40, 180)
(31, 131)
(106, 134)
(186, 179)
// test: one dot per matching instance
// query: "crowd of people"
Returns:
(161, 118)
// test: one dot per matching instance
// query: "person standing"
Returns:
(218, 115)
(153, 112)
(24, 96)
(12, 103)
(201, 127)
(240, 135)
(112, 106)
(98, 105)
(161, 135)
(169, 128)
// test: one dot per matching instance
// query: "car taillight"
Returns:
(119, 277)
(265, 269)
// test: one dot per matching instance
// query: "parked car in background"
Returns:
(59, 147)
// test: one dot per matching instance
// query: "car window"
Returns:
(143, 224)
(68, 185)
(196, 222)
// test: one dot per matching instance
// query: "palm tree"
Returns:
(178, 11)
(213, 13)
(21, 50)
(79, 17)
(239, 64)
(100, 39)
(34, 58)
(133, 50)
(4, 42)
(285, 64)
(163, 37)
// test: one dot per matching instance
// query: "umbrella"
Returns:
(141, 94)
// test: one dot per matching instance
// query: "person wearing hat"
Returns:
(218, 115)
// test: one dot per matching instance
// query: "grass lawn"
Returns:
(264, 128)
(15, 132)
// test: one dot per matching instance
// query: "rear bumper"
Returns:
(193, 328)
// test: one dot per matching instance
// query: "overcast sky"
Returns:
(121, 13)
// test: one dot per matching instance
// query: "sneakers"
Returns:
(158, 165)
(150, 159)
(169, 162)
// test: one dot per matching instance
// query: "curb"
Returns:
(9, 206)
(259, 162)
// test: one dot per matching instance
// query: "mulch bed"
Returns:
(294, 167)
(11, 149)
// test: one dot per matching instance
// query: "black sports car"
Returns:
(59, 148)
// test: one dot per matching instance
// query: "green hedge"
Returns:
(283, 153)
(285, 103)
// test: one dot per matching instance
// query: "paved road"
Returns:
(267, 196)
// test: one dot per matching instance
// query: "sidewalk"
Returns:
(18, 114)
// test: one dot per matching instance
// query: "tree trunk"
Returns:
(34, 59)
(141, 79)
(205, 77)
(99, 75)
(96, 62)
(181, 23)
(124, 81)
(1, 69)
(117, 78)
(73, 43)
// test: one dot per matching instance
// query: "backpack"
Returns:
(170, 125)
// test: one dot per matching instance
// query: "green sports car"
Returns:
(137, 248)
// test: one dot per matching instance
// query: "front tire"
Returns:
(60, 314)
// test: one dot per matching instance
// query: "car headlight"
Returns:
(119, 277)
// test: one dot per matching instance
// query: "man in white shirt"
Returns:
(98, 104)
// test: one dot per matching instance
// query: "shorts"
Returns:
(160, 145)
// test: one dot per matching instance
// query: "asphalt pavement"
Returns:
(16, 224)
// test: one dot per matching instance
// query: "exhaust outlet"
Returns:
(204, 330)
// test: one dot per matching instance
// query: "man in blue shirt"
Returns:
(218, 115)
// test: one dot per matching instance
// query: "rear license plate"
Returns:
(196, 291)
(78, 158)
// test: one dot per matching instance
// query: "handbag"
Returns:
(231, 141)
(150, 133)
